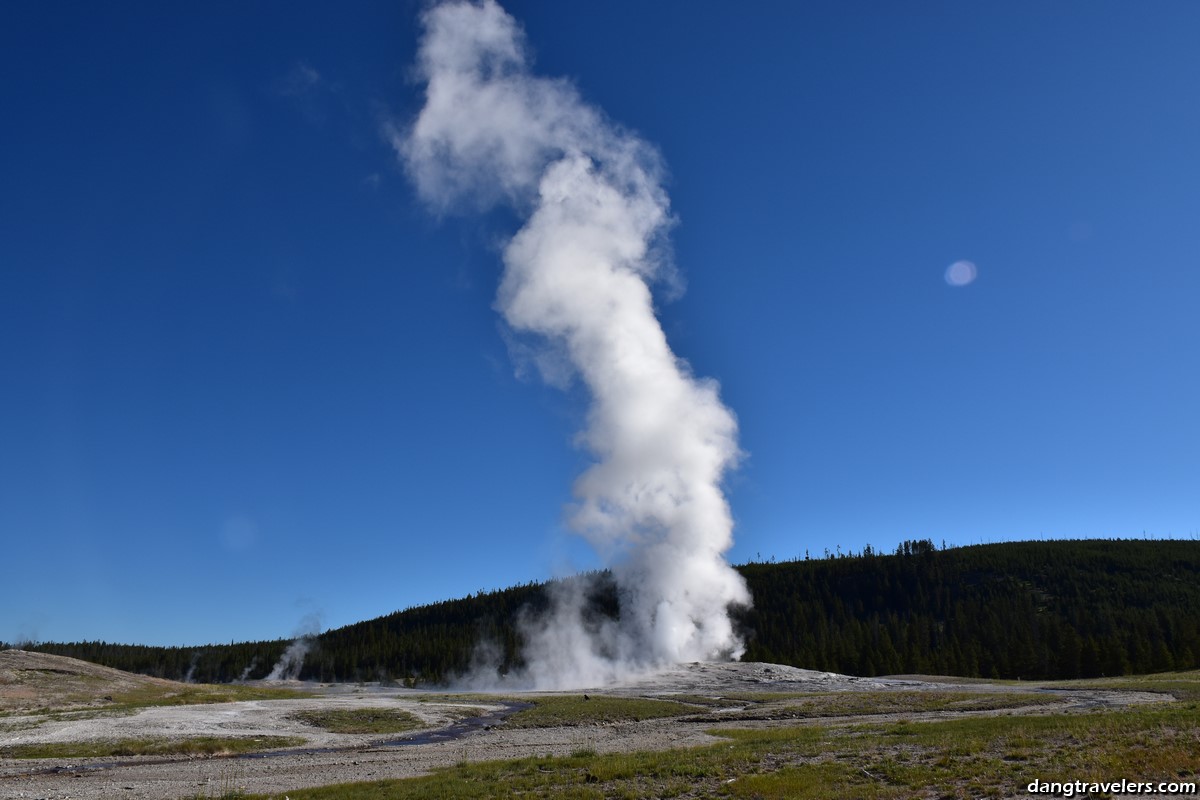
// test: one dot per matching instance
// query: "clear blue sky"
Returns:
(245, 376)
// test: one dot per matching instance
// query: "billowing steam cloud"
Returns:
(577, 278)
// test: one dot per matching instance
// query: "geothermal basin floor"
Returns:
(330, 758)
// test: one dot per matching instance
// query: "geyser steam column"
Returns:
(576, 276)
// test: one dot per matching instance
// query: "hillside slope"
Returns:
(30, 681)
(1034, 610)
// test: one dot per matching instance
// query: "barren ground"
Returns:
(46, 699)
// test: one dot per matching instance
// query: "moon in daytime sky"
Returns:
(961, 273)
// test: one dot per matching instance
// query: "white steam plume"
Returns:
(576, 276)
(249, 668)
(289, 664)
(292, 661)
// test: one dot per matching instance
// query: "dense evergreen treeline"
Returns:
(1037, 610)
(213, 663)
(429, 643)
(1058, 609)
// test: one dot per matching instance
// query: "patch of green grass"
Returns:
(88, 713)
(557, 710)
(1180, 685)
(722, 701)
(960, 758)
(984, 753)
(845, 704)
(465, 697)
(463, 705)
(809, 781)
(23, 725)
(767, 697)
(583, 775)
(37, 718)
(360, 720)
(118, 703)
(996, 756)
(202, 693)
(781, 706)
(196, 745)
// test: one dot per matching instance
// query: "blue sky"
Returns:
(248, 377)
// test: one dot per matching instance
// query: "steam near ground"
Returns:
(289, 664)
(577, 286)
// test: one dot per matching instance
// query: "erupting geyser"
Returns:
(576, 277)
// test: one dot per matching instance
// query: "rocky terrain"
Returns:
(48, 699)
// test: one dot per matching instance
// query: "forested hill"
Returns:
(1056, 609)
(1034, 610)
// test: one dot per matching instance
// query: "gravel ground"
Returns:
(335, 758)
